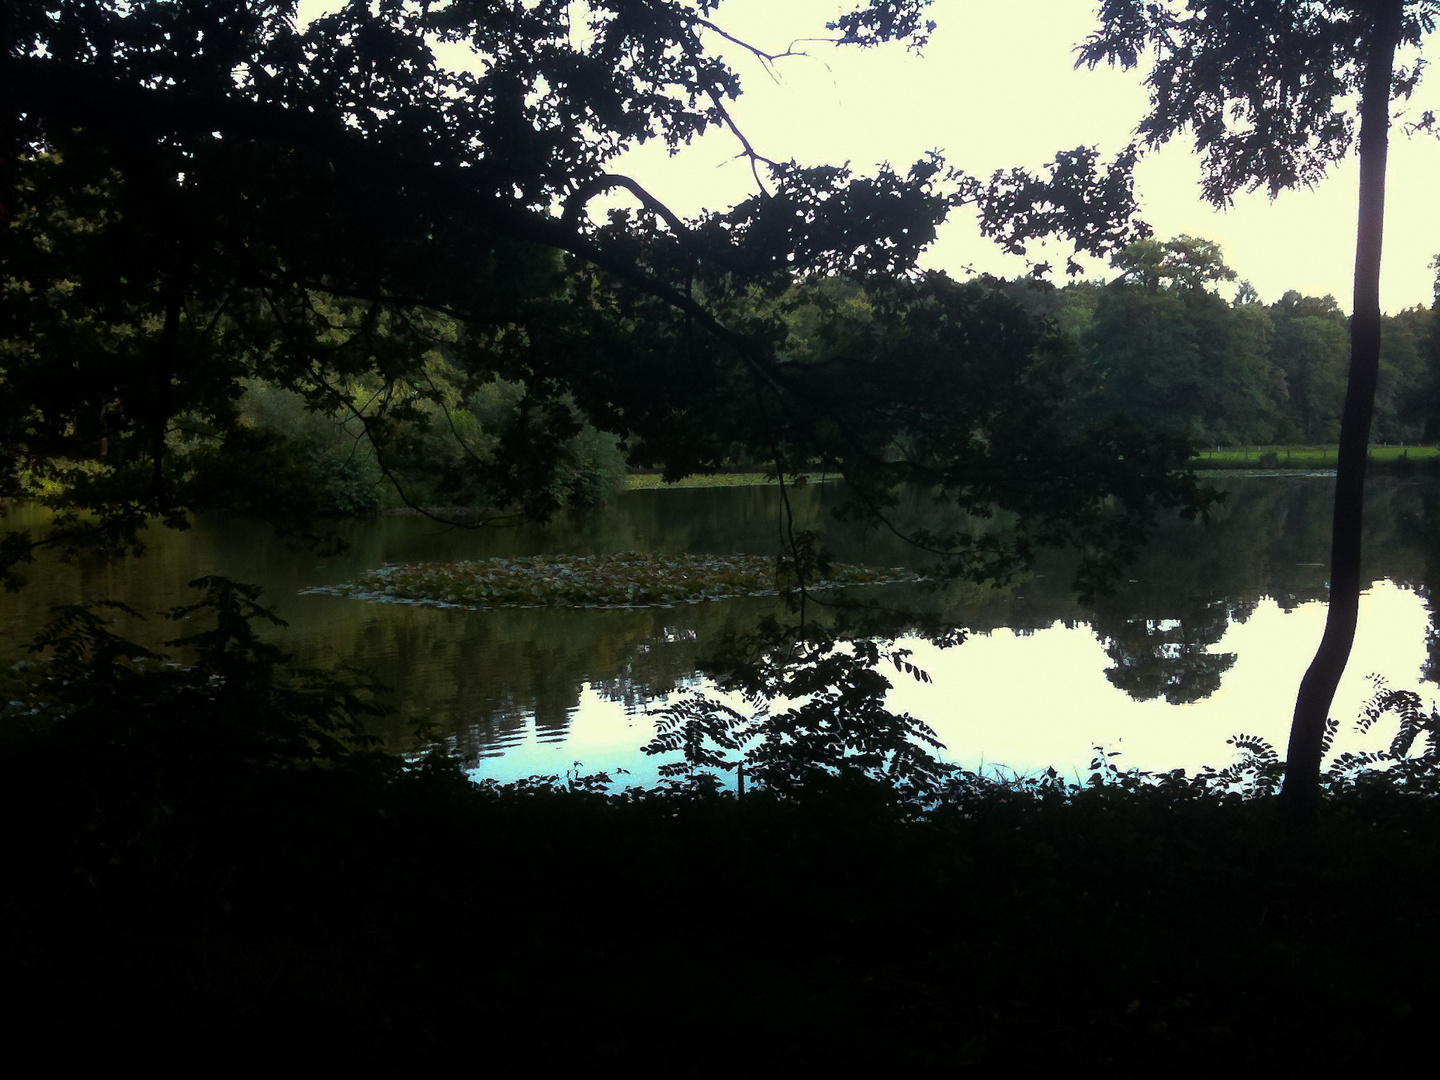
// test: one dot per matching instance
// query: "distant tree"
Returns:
(1431, 393)
(1186, 263)
(1144, 343)
(1246, 295)
(1246, 392)
(1076, 312)
(1400, 396)
(1310, 346)
(1173, 353)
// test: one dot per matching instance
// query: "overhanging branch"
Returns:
(78, 95)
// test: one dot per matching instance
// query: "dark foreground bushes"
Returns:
(373, 914)
(165, 899)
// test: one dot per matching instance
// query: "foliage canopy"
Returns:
(199, 195)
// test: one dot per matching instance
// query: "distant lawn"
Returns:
(1305, 457)
(640, 481)
(1245, 457)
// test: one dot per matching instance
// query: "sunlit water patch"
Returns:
(1007, 702)
(1024, 703)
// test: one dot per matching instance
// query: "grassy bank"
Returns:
(1382, 458)
(1397, 459)
(646, 481)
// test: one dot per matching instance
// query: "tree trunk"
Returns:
(1301, 791)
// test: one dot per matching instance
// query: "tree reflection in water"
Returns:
(1168, 658)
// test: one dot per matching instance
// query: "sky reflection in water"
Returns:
(1021, 702)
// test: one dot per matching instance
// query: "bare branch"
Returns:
(747, 150)
(766, 58)
(598, 185)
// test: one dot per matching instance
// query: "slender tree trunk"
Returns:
(1301, 791)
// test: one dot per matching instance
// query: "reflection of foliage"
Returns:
(1421, 529)
(818, 716)
(140, 741)
(1268, 539)
(655, 668)
(645, 481)
(237, 695)
(1167, 657)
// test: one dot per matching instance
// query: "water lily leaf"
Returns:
(626, 578)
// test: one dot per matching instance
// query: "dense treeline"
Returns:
(1166, 347)
(287, 406)
(1159, 344)
(517, 382)
(323, 460)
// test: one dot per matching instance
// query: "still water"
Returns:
(1207, 637)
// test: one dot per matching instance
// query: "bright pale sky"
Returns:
(997, 88)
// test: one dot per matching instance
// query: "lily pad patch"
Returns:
(623, 579)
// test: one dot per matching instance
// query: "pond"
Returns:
(1207, 637)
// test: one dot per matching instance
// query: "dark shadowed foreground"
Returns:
(565, 929)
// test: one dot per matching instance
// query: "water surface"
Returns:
(1206, 637)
